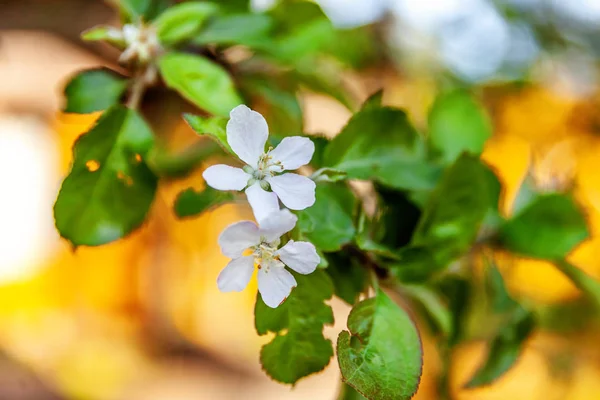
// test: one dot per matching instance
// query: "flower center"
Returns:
(267, 166)
(264, 254)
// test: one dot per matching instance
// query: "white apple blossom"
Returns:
(262, 177)
(262, 241)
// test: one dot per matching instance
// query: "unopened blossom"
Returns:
(141, 43)
(251, 245)
(263, 177)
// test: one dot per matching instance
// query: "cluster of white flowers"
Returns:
(265, 184)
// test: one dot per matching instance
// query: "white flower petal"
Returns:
(238, 237)
(293, 152)
(295, 191)
(236, 275)
(275, 285)
(247, 133)
(302, 257)
(224, 177)
(262, 202)
(277, 223)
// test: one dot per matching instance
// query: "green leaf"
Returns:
(434, 306)
(233, 6)
(380, 144)
(182, 21)
(245, 29)
(450, 221)
(501, 299)
(348, 393)
(94, 90)
(381, 356)
(299, 347)
(328, 175)
(105, 33)
(504, 350)
(215, 127)
(374, 101)
(348, 276)
(457, 124)
(587, 284)
(200, 81)
(275, 98)
(321, 143)
(145, 10)
(322, 76)
(549, 227)
(329, 224)
(110, 189)
(191, 203)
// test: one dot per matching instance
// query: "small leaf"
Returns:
(200, 81)
(329, 224)
(299, 347)
(457, 124)
(501, 299)
(94, 90)
(381, 356)
(380, 144)
(549, 227)
(328, 175)
(182, 21)
(105, 33)
(434, 306)
(348, 276)
(446, 231)
(245, 29)
(110, 189)
(587, 284)
(276, 100)
(145, 10)
(190, 202)
(504, 350)
(215, 127)
(374, 101)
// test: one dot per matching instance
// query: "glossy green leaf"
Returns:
(381, 356)
(94, 90)
(549, 227)
(457, 124)
(329, 224)
(182, 21)
(381, 144)
(109, 189)
(246, 29)
(299, 347)
(202, 82)
(215, 127)
(190, 203)
(504, 349)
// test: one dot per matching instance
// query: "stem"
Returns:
(137, 91)
(583, 281)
